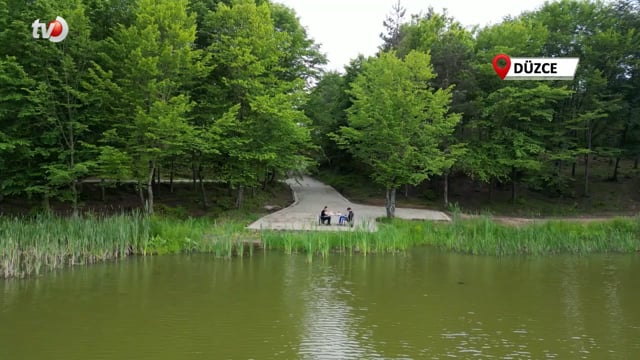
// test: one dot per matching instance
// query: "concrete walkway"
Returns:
(311, 196)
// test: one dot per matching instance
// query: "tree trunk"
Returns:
(446, 189)
(615, 169)
(587, 162)
(491, 186)
(103, 195)
(150, 189)
(171, 176)
(587, 168)
(240, 198)
(406, 191)
(154, 183)
(623, 140)
(203, 194)
(141, 194)
(390, 202)
(514, 184)
(74, 191)
(193, 174)
(46, 205)
(158, 183)
(72, 154)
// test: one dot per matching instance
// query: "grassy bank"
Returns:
(31, 246)
(480, 236)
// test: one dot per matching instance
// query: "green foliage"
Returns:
(227, 91)
(396, 123)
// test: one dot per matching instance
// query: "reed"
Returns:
(485, 237)
(32, 246)
(29, 246)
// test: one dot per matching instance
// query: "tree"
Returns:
(153, 60)
(260, 86)
(398, 122)
(393, 25)
(451, 49)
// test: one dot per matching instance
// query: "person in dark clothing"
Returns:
(324, 216)
(350, 216)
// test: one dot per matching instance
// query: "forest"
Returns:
(234, 93)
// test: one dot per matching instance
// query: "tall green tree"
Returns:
(398, 122)
(259, 86)
(451, 47)
(154, 60)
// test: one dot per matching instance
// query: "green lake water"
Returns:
(420, 305)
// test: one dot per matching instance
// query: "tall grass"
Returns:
(485, 237)
(30, 246)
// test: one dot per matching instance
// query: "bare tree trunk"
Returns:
(390, 202)
(622, 143)
(446, 188)
(171, 176)
(141, 194)
(193, 174)
(74, 192)
(587, 161)
(513, 185)
(587, 168)
(103, 195)
(46, 205)
(491, 186)
(615, 169)
(150, 189)
(240, 198)
(158, 183)
(203, 194)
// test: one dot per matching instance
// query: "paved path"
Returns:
(311, 196)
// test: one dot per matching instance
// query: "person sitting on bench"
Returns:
(324, 216)
(350, 216)
(343, 219)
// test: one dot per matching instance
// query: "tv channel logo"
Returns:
(55, 31)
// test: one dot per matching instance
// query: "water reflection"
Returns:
(329, 322)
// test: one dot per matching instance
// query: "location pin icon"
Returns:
(502, 71)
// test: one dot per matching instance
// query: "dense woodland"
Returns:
(234, 92)
(207, 89)
(520, 134)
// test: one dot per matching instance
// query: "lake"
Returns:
(423, 304)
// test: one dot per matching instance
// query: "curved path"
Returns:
(311, 196)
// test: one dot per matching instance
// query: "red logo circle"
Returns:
(57, 27)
